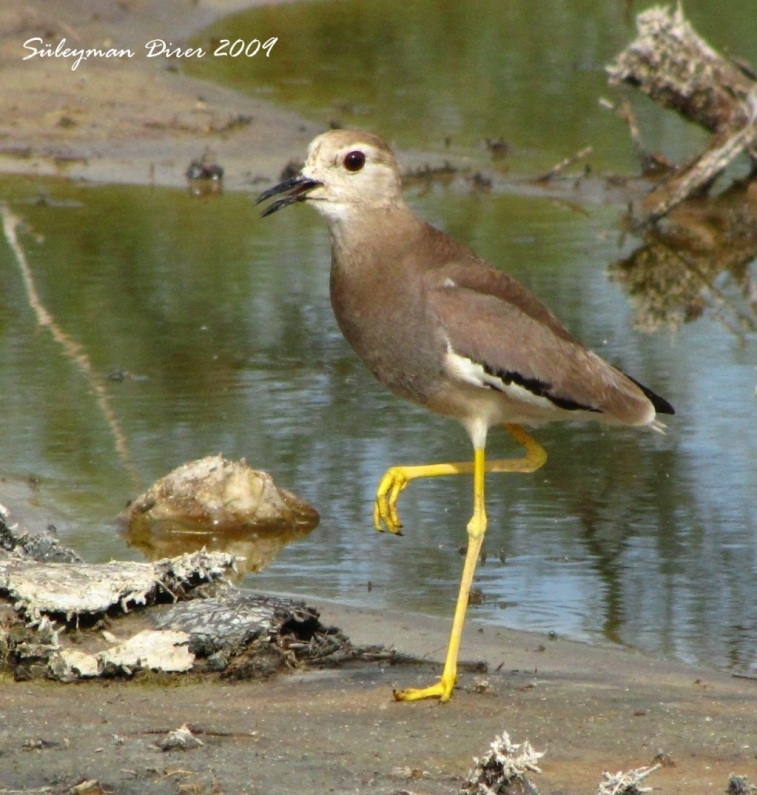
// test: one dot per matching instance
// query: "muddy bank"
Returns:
(139, 120)
(128, 119)
(590, 709)
(258, 724)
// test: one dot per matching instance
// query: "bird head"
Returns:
(346, 172)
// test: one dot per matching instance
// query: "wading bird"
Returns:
(440, 326)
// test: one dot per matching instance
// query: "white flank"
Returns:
(473, 373)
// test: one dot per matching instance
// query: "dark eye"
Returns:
(354, 161)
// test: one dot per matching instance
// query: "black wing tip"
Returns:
(661, 406)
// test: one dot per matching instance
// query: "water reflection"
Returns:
(632, 537)
(70, 348)
(255, 548)
(423, 73)
(698, 260)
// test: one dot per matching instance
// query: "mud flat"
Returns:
(124, 118)
(591, 709)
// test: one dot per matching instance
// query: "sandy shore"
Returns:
(590, 709)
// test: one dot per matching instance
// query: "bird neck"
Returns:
(359, 233)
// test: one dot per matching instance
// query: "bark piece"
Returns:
(80, 589)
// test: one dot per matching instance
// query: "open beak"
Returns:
(293, 190)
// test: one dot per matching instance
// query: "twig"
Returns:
(566, 163)
(650, 161)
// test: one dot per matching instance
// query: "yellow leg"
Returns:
(534, 458)
(395, 480)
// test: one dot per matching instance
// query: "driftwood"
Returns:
(68, 620)
(75, 591)
(676, 68)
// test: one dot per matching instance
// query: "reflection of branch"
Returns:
(744, 322)
(688, 264)
(71, 348)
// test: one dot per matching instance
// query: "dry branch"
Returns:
(724, 148)
(557, 169)
(676, 68)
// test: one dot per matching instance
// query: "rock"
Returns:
(220, 505)
(215, 494)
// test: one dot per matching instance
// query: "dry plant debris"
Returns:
(503, 769)
(626, 783)
(180, 739)
(670, 63)
(738, 785)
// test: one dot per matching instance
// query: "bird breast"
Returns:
(384, 318)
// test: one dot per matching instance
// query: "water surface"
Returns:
(224, 320)
(430, 73)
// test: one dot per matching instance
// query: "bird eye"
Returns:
(354, 161)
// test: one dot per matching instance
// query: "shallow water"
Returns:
(222, 324)
(224, 321)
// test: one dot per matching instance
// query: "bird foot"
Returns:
(441, 690)
(385, 514)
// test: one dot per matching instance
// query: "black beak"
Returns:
(295, 189)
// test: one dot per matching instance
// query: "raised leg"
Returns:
(395, 480)
(534, 458)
